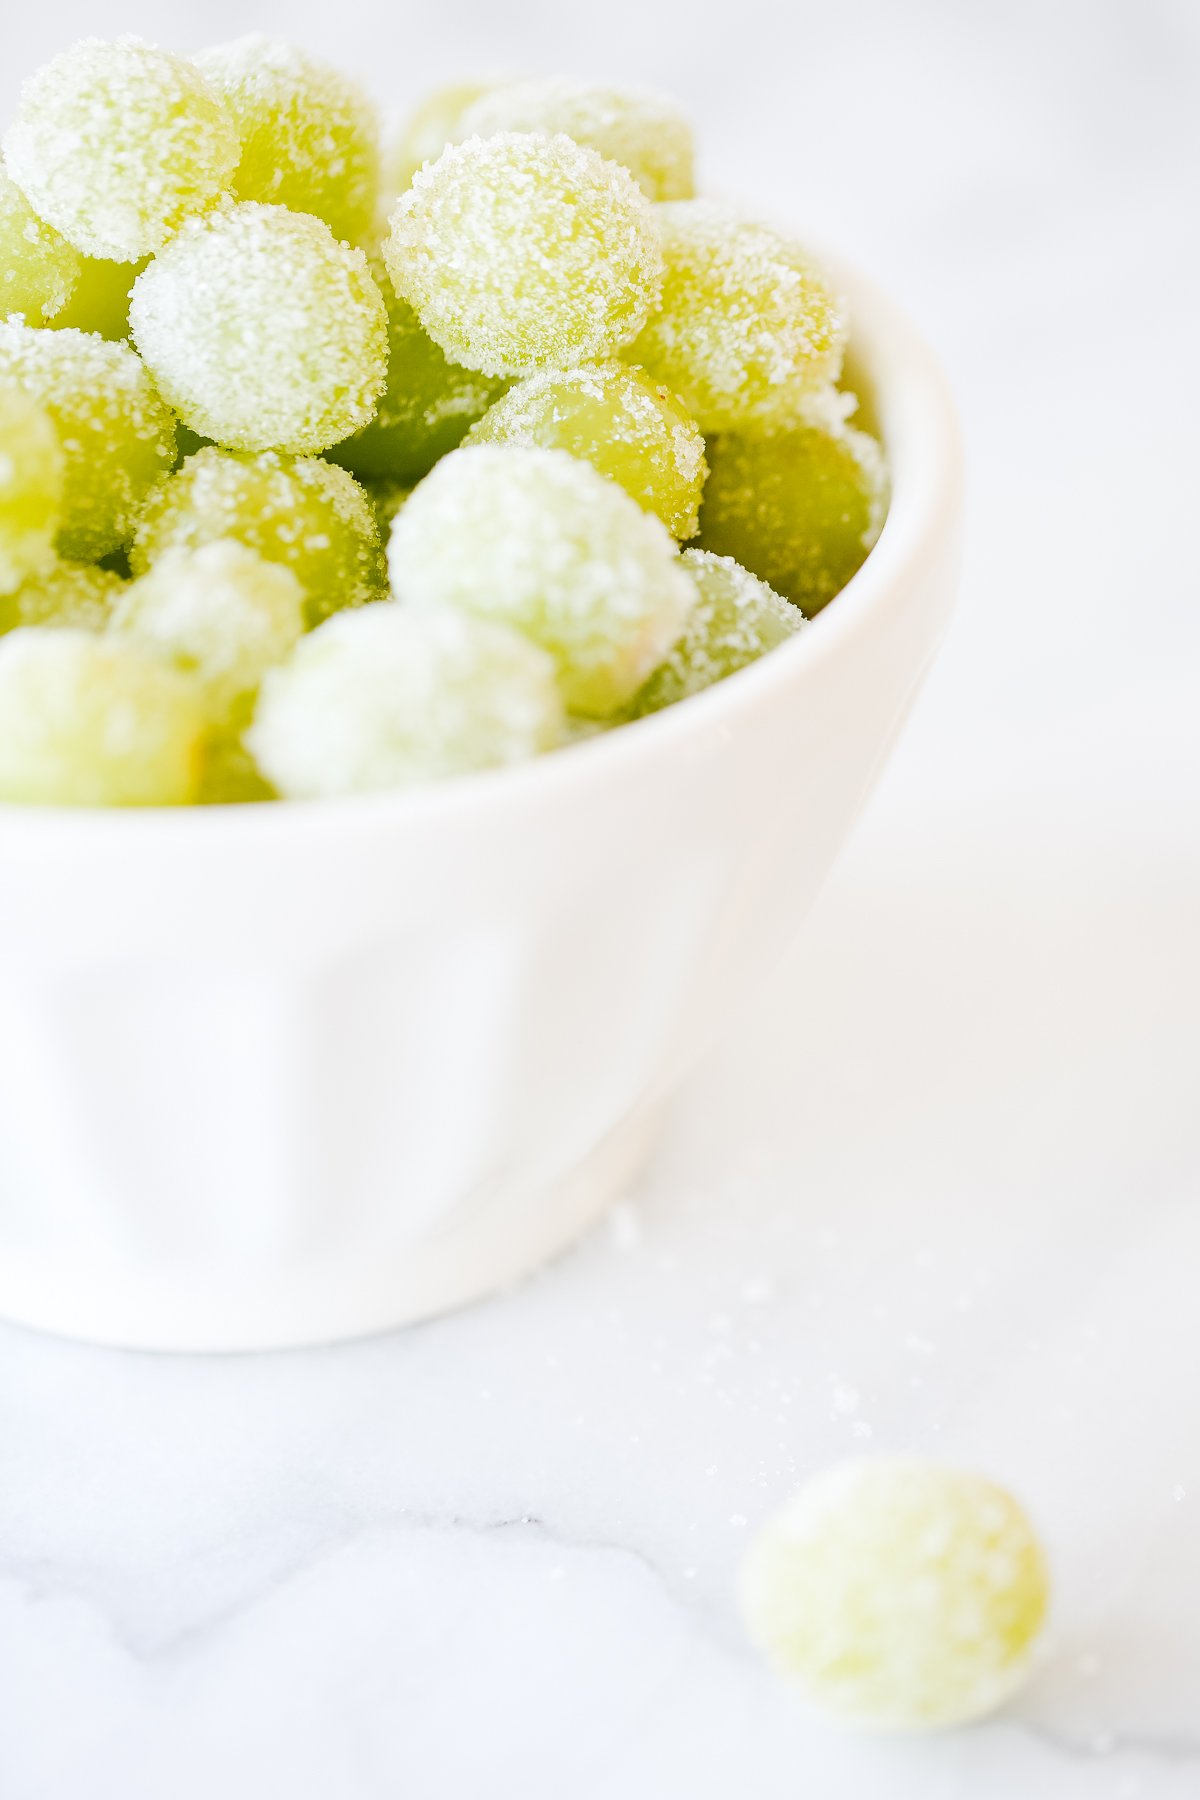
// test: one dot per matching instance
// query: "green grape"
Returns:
(31, 486)
(525, 252)
(100, 302)
(219, 613)
(88, 721)
(539, 540)
(435, 123)
(309, 135)
(39, 270)
(117, 436)
(899, 1593)
(387, 497)
(261, 330)
(800, 507)
(427, 407)
(391, 696)
(646, 134)
(229, 775)
(116, 144)
(736, 619)
(76, 594)
(295, 510)
(748, 326)
(620, 421)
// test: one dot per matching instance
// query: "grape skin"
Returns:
(900, 1594)
(88, 721)
(262, 331)
(627, 426)
(390, 696)
(800, 507)
(39, 270)
(117, 437)
(72, 594)
(115, 144)
(540, 540)
(31, 488)
(748, 327)
(309, 135)
(736, 619)
(302, 512)
(645, 133)
(436, 122)
(522, 252)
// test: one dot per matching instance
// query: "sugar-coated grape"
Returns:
(645, 133)
(428, 404)
(436, 122)
(393, 695)
(115, 144)
(522, 252)
(86, 720)
(302, 512)
(615, 417)
(748, 325)
(72, 594)
(220, 613)
(540, 540)
(309, 135)
(901, 1594)
(800, 507)
(31, 487)
(261, 330)
(117, 436)
(100, 301)
(736, 619)
(38, 268)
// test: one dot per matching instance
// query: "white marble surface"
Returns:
(939, 1191)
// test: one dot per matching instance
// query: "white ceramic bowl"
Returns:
(276, 1075)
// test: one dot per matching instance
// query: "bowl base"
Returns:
(131, 1308)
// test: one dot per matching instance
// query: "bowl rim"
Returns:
(920, 433)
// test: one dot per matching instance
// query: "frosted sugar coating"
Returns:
(75, 594)
(522, 252)
(538, 539)
(617, 418)
(219, 613)
(801, 507)
(39, 270)
(390, 696)
(31, 487)
(736, 619)
(428, 403)
(115, 144)
(261, 330)
(309, 135)
(747, 326)
(88, 721)
(436, 122)
(117, 437)
(899, 1593)
(645, 133)
(307, 514)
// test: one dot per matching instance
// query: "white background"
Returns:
(940, 1191)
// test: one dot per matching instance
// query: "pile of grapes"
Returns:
(324, 471)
